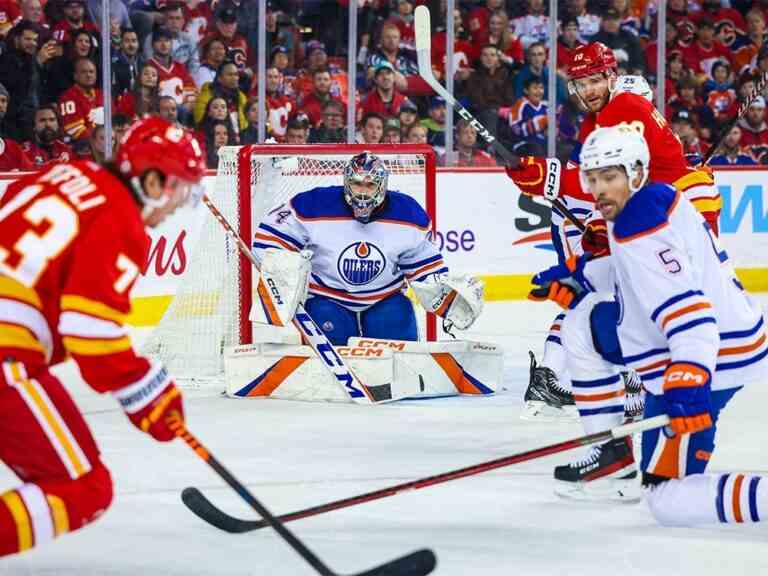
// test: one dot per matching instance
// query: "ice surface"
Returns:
(293, 454)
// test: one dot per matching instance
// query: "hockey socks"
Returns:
(709, 499)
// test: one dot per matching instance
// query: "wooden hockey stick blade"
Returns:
(424, 61)
(208, 512)
(419, 563)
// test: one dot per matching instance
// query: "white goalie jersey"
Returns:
(354, 264)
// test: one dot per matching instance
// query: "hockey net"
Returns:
(211, 307)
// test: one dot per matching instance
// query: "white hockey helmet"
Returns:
(633, 84)
(615, 146)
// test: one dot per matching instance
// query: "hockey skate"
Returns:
(634, 398)
(545, 399)
(607, 473)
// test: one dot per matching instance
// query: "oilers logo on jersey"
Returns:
(361, 263)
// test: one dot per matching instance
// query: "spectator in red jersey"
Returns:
(403, 19)
(417, 134)
(464, 52)
(174, 78)
(226, 86)
(625, 45)
(406, 71)
(682, 125)
(384, 98)
(184, 49)
(9, 16)
(479, 18)
(672, 46)
(500, 35)
(675, 72)
(74, 19)
(225, 29)
(22, 68)
(704, 51)
(279, 106)
(489, 87)
(371, 129)
(214, 55)
(688, 99)
(82, 106)
(754, 130)
(61, 70)
(719, 95)
(727, 21)
(198, 18)
(746, 47)
(732, 152)
(685, 22)
(142, 100)
(317, 59)
(589, 24)
(168, 109)
(312, 104)
(466, 146)
(218, 133)
(409, 116)
(332, 128)
(567, 42)
(46, 147)
(297, 132)
(12, 157)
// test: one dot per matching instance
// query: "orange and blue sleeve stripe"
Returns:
(269, 237)
(737, 498)
(683, 312)
(417, 271)
(600, 396)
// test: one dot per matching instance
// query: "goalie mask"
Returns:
(616, 146)
(365, 185)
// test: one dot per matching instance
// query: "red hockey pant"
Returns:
(46, 442)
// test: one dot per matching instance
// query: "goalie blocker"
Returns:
(279, 366)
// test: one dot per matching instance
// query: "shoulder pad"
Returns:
(403, 209)
(321, 203)
(645, 212)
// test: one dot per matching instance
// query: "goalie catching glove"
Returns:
(283, 283)
(457, 299)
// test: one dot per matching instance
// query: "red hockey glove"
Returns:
(595, 238)
(687, 397)
(536, 176)
(149, 402)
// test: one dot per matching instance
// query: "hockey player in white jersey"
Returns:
(685, 323)
(352, 250)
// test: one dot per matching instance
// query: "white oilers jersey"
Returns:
(565, 235)
(679, 297)
(354, 264)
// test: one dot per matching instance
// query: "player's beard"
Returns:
(46, 136)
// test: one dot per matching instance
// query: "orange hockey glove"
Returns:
(687, 397)
(149, 402)
(536, 176)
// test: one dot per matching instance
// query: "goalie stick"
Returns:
(310, 331)
(205, 510)
(424, 60)
(418, 563)
(759, 87)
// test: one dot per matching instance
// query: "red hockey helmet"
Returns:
(590, 59)
(156, 144)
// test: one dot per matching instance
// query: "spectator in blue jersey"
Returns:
(732, 154)
(528, 119)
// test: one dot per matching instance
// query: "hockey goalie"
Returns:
(348, 253)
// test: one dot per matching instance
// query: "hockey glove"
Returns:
(149, 403)
(537, 176)
(687, 397)
(564, 284)
(595, 238)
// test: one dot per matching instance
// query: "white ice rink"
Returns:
(292, 455)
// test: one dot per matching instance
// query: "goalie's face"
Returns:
(610, 187)
(593, 91)
(364, 195)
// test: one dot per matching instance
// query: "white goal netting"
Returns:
(210, 309)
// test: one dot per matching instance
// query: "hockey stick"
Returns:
(759, 87)
(424, 60)
(418, 563)
(203, 508)
(311, 332)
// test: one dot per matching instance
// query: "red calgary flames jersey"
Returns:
(72, 244)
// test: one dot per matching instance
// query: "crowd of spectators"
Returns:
(193, 62)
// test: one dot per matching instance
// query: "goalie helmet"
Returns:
(615, 146)
(635, 85)
(365, 168)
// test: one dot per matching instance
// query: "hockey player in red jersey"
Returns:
(72, 243)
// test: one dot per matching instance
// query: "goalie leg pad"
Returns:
(336, 322)
(391, 319)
